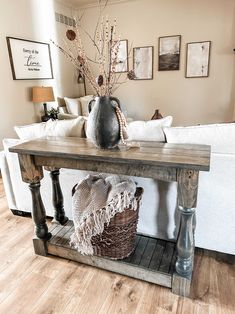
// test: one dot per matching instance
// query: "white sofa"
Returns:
(158, 217)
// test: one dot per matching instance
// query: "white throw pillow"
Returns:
(148, 130)
(63, 109)
(30, 131)
(72, 127)
(73, 105)
(221, 137)
(84, 104)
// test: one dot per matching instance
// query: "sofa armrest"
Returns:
(128, 120)
(66, 116)
(7, 181)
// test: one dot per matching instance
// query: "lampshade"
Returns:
(43, 94)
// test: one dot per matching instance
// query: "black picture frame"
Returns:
(122, 57)
(198, 59)
(29, 59)
(169, 48)
(143, 62)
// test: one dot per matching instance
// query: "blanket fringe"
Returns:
(94, 224)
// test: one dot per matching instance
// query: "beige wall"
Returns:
(30, 19)
(189, 101)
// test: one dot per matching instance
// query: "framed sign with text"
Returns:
(30, 60)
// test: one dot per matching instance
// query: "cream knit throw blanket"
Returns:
(96, 200)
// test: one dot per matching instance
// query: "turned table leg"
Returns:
(187, 199)
(38, 212)
(33, 174)
(57, 198)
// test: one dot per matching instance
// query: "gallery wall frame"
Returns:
(198, 59)
(143, 62)
(122, 57)
(169, 48)
(30, 60)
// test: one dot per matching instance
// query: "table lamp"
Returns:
(44, 95)
(81, 80)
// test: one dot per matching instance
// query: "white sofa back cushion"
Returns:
(84, 104)
(73, 105)
(221, 137)
(148, 130)
(70, 128)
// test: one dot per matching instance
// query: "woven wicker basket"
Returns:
(118, 238)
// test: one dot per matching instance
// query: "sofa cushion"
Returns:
(84, 104)
(66, 116)
(73, 106)
(63, 109)
(148, 130)
(72, 127)
(221, 137)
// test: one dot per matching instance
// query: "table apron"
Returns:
(139, 170)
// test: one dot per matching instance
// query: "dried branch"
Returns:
(107, 46)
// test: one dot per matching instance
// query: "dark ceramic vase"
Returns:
(102, 125)
(157, 115)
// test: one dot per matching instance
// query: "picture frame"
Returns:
(169, 53)
(30, 60)
(143, 62)
(197, 59)
(122, 57)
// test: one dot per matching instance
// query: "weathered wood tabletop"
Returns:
(148, 153)
(169, 162)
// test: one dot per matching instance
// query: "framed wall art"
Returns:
(169, 53)
(30, 60)
(197, 60)
(143, 63)
(122, 57)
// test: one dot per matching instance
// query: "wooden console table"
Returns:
(153, 260)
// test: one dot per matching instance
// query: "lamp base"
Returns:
(45, 118)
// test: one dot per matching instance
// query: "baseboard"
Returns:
(21, 213)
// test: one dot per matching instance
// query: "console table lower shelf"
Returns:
(153, 260)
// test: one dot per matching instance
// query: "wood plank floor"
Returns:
(35, 284)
